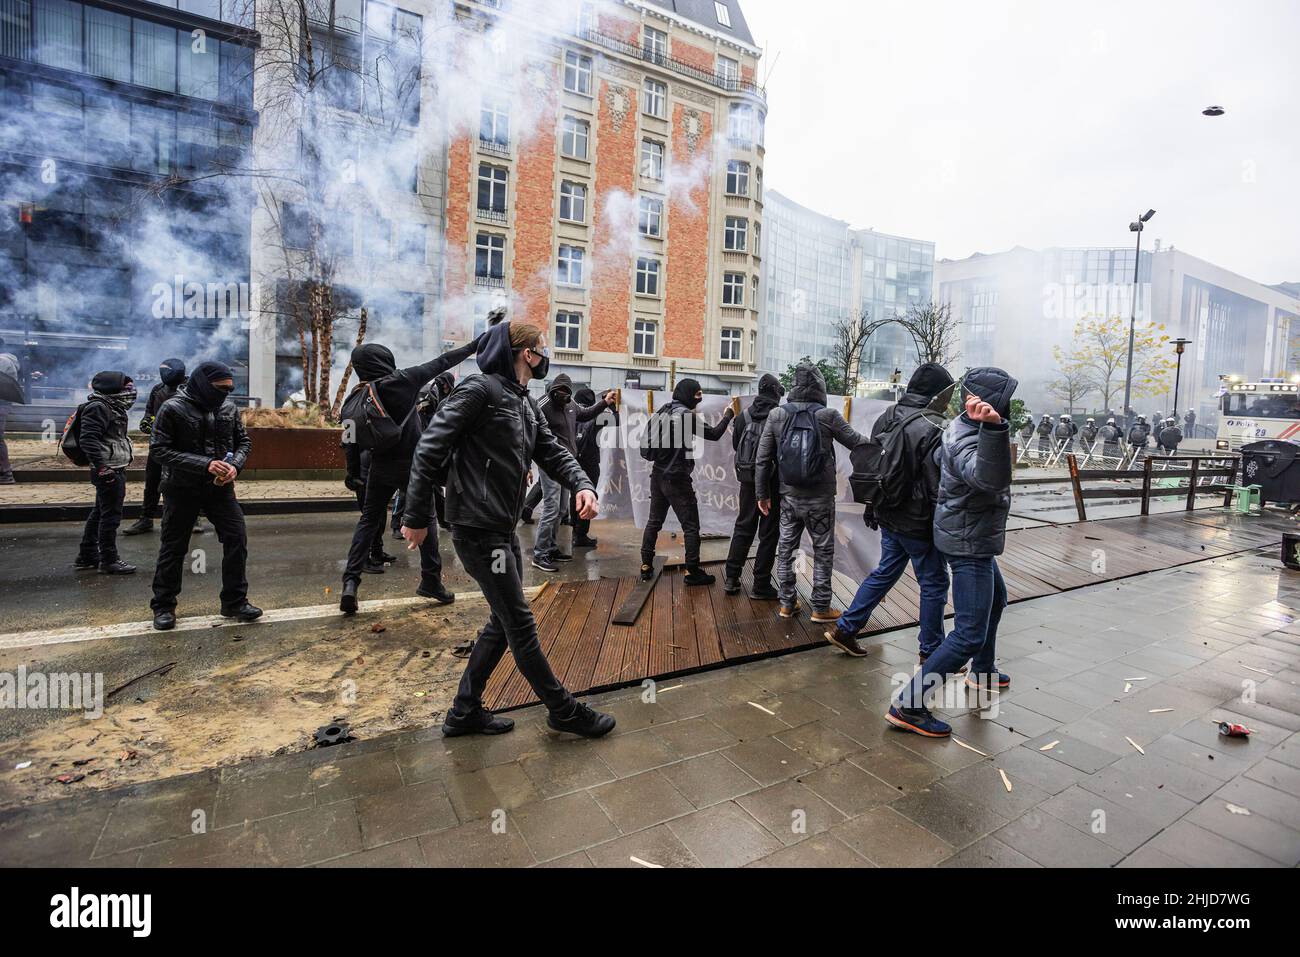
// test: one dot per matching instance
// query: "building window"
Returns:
(728, 73)
(654, 98)
(655, 45)
(650, 219)
(647, 276)
(577, 73)
(730, 345)
(723, 14)
(733, 289)
(570, 271)
(652, 160)
(411, 242)
(586, 17)
(737, 178)
(492, 188)
(494, 125)
(568, 331)
(753, 299)
(574, 140)
(573, 202)
(736, 235)
(643, 338)
(490, 259)
(740, 124)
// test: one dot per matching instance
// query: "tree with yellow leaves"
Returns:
(1099, 353)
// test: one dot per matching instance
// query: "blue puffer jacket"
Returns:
(970, 515)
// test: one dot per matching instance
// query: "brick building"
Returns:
(624, 211)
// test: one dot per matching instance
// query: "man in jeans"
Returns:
(906, 531)
(479, 445)
(804, 505)
(970, 521)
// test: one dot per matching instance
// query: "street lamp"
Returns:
(1179, 345)
(1135, 227)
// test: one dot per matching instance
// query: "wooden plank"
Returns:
(609, 662)
(731, 634)
(516, 690)
(546, 612)
(658, 653)
(708, 647)
(683, 654)
(579, 669)
(631, 607)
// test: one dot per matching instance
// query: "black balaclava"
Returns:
(585, 397)
(172, 372)
(443, 383)
(199, 385)
(373, 361)
(684, 393)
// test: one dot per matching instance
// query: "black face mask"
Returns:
(543, 365)
(562, 398)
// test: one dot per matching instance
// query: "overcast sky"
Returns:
(983, 124)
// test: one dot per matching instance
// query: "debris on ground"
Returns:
(1237, 809)
(331, 734)
(1231, 730)
(1049, 745)
(1006, 781)
(1135, 744)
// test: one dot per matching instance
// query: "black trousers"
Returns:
(582, 526)
(677, 492)
(750, 522)
(377, 546)
(152, 483)
(494, 561)
(383, 479)
(534, 497)
(181, 508)
(99, 538)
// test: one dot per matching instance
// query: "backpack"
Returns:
(657, 441)
(747, 448)
(70, 440)
(883, 473)
(800, 458)
(374, 430)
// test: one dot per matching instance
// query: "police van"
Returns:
(1254, 411)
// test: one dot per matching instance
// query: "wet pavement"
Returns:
(1104, 752)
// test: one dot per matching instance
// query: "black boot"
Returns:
(142, 524)
(348, 600)
(372, 566)
(581, 720)
(764, 592)
(164, 620)
(244, 612)
(85, 563)
(382, 557)
(647, 573)
(481, 721)
(731, 586)
(434, 588)
(695, 575)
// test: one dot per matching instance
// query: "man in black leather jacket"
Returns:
(200, 442)
(171, 373)
(479, 444)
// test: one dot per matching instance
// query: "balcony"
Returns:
(497, 216)
(727, 84)
(492, 282)
(645, 362)
(495, 147)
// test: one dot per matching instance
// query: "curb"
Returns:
(79, 511)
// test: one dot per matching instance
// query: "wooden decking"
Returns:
(684, 629)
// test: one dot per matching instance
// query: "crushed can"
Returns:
(1230, 730)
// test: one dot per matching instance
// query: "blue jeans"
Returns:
(978, 595)
(931, 574)
(555, 502)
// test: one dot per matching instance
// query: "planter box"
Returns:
(297, 449)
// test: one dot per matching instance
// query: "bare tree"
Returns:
(934, 331)
(1073, 383)
(850, 337)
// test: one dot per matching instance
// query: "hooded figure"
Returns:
(974, 497)
(171, 373)
(805, 504)
(200, 389)
(588, 442)
(104, 442)
(745, 436)
(563, 416)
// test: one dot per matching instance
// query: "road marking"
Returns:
(61, 636)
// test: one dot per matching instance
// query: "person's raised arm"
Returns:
(714, 432)
(419, 375)
(985, 464)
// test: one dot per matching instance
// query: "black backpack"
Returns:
(747, 448)
(70, 440)
(800, 457)
(374, 430)
(659, 440)
(884, 476)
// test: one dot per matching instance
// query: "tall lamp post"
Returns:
(1179, 345)
(1134, 227)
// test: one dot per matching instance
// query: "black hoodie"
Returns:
(564, 416)
(928, 392)
(970, 517)
(480, 443)
(588, 436)
(196, 426)
(678, 436)
(809, 387)
(769, 395)
(171, 373)
(103, 435)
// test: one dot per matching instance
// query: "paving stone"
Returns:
(147, 815)
(989, 852)
(848, 788)
(951, 814)
(709, 779)
(629, 754)
(402, 854)
(1053, 843)
(478, 794)
(900, 768)
(790, 811)
(693, 736)
(819, 744)
(655, 845)
(1048, 705)
(723, 835)
(354, 777)
(1042, 772)
(484, 843)
(1153, 771)
(1210, 760)
(287, 840)
(1070, 750)
(1021, 720)
(242, 797)
(1261, 799)
(746, 722)
(768, 760)
(1254, 830)
(821, 850)
(1147, 856)
(982, 782)
(1127, 789)
(641, 801)
(1198, 847)
(562, 825)
(561, 771)
(60, 833)
(1118, 826)
(1277, 775)
(404, 812)
(888, 839)
(985, 734)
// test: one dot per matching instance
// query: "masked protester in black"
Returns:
(399, 390)
(479, 445)
(749, 520)
(588, 445)
(671, 485)
(200, 442)
(426, 403)
(171, 373)
(105, 442)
